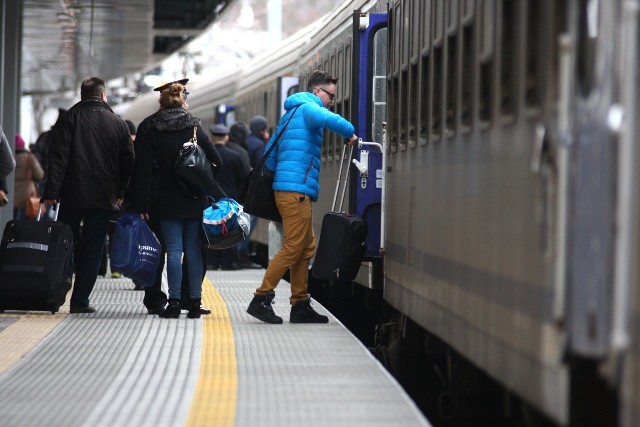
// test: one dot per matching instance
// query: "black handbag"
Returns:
(193, 170)
(256, 196)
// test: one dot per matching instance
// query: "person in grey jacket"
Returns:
(7, 161)
(296, 162)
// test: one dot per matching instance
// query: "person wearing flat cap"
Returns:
(165, 86)
(159, 140)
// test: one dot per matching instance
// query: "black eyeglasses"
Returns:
(331, 95)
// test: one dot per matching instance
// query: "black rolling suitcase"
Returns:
(342, 240)
(34, 256)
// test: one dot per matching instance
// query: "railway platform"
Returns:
(123, 367)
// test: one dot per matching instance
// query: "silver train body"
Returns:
(512, 215)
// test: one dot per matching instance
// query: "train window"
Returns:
(467, 11)
(347, 74)
(533, 64)
(335, 138)
(393, 114)
(586, 45)
(413, 103)
(402, 114)
(509, 56)
(436, 105)
(379, 84)
(424, 99)
(415, 30)
(437, 19)
(486, 76)
(452, 15)
(406, 33)
(451, 76)
(340, 89)
(425, 21)
(467, 74)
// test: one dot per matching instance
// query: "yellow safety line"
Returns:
(214, 403)
(22, 335)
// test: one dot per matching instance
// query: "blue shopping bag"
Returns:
(135, 250)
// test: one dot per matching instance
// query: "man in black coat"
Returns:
(91, 160)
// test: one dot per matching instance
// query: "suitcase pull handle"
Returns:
(57, 210)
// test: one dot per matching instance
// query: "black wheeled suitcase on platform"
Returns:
(342, 240)
(34, 256)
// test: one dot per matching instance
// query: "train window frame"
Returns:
(535, 16)
(425, 101)
(343, 78)
(437, 95)
(467, 69)
(451, 73)
(379, 82)
(486, 64)
(406, 34)
(509, 54)
(586, 45)
(437, 20)
(415, 33)
(452, 16)
(403, 106)
(425, 6)
(348, 78)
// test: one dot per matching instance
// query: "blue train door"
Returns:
(369, 84)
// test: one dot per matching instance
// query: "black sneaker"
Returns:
(156, 310)
(302, 312)
(173, 309)
(260, 308)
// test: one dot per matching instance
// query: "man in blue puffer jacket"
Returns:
(296, 162)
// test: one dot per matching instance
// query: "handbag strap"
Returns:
(266, 155)
(195, 135)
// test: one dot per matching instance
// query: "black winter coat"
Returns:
(160, 139)
(91, 157)
(231, 175)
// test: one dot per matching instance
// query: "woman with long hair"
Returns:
(179, 213)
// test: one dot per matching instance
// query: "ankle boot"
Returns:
(302, 312)
(173, 309)
(260, 308)
(194, 308)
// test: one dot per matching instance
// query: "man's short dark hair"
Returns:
(318, 78)
(93, 87)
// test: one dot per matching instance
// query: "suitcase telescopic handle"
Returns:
(57, 209)
(344, 183)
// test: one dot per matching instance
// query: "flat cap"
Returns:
(166, 85)
(219, 129)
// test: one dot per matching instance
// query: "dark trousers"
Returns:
(88, 248)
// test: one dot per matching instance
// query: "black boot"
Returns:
(194, 308)
(260, 308)
(302, 312)
(185, 304)
(173, 309)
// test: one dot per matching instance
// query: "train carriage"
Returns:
(503, 207)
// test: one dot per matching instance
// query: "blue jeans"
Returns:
(88, 247)
(183, 235)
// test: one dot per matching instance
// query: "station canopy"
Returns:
(65, 41)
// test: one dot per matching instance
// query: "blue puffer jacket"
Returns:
(296, 158)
